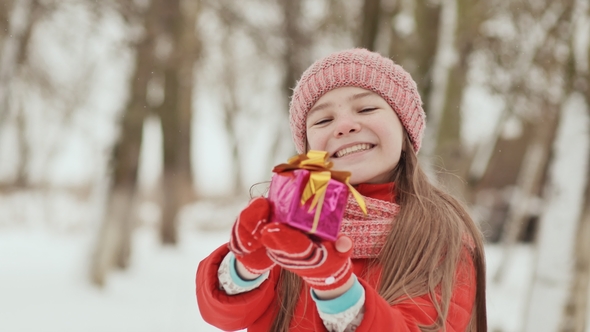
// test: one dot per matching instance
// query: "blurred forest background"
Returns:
(122, 114)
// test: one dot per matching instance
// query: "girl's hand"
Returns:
(324, 265)
(245, 239)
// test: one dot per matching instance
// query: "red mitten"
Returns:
(245, 237)
(317, 262)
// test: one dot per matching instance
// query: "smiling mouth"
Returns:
(353, 149)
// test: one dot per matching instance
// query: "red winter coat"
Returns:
(255, 310)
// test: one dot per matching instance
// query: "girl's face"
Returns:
(360, 131)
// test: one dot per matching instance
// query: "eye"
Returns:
(321, 122)
(367, 109)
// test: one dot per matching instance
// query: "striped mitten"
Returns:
(245, 237)
(318, 263)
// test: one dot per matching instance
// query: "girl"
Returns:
(415, 262)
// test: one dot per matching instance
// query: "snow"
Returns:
(506, 301)
(44, 284)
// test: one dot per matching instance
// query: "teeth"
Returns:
(352, 149)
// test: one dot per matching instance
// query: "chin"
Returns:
(359, 177)
(354, 180)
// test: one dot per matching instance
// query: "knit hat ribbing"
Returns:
(364, 69)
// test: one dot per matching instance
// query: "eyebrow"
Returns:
(351, 98)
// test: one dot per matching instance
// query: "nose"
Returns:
(346, 126)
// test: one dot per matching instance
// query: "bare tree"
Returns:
(419, 33)
(231, 104)
(297, 43)
(576, 309)
(268, 40)
(575, 316)
(371, 19)
(113, 245)
(524, 93)
(559, 222)
(13, 57)
(21, 75)
(414, 32)
(177, 22)
(563, 208)
(294, 58)
(447, 127)
(515, 62)
(166, 53)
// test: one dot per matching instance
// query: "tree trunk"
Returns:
(5, 11)
(370, 25)
(177, 23)
(21, 179)
(297, 44)
(528, 183)
(449, 146)
(190, 51)
(13, 55)
(294, 61)
(444, 60)
(7, 55)
(577, 311)
(415, 49)
(113, 246)
(520, 64)
(560, 219)
(230, 100)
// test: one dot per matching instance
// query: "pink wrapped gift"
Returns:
(307, 195)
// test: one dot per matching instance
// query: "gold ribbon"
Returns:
(316, 162)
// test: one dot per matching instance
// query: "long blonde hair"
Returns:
(421, 253)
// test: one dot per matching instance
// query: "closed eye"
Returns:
(322, 121)
(368, 109)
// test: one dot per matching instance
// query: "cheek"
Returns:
(392, 144)
(396, 135)
(399, 140)
(315, 141)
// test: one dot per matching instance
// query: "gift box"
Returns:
(306, 194)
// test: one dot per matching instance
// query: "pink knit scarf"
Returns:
(368, 232)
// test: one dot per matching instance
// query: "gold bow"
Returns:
(320, 174)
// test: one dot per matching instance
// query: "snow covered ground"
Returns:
(43, 286)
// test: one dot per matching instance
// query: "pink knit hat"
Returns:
(364, 69)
